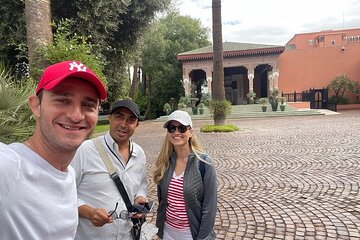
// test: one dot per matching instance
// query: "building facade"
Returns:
(309, 60)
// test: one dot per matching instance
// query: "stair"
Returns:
(254, 111)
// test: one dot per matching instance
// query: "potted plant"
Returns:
(201, 107)
(182, 106)
(263, 102)
(282, 103)
(167, 108)
(251, 95)
(194, 108)
(274, 99)
(183, 103)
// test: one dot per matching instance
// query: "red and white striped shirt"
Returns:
(176, 215)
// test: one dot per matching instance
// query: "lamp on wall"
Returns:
(343, 48)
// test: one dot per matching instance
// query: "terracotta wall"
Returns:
(316, 67)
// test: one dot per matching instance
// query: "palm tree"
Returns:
(218, 90)
(16, 121)
(38, 32)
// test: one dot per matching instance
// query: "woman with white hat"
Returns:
(186, 183)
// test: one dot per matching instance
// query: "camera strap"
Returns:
(113, 173)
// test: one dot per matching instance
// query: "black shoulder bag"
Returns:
(137, 222)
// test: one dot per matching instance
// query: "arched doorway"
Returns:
(261, 85)
(198, 83)
(235, 81)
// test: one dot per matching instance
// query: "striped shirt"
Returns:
(176, 215)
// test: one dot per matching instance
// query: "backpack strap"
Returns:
(202, 165)
(202, 168)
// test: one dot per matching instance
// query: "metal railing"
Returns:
(303, 96)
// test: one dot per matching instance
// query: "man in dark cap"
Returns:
(97, 192)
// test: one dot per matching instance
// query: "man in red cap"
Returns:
(37, 189)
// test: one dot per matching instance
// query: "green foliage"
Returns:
(219, 128)
(201, 105)
(113, 28)
(205, 98)
(274, 99)
(222, 107)
(102, 126)
(339, 85)
(16, 121)
(219, 109)
(282, 100)
(334, 99)
(12, 32)
(182, 106)
(170, 36)
(355, 87)
(70, 46)
(185, 100)
(263, 101)
(251, 95)
(141, 100)
(167, 108)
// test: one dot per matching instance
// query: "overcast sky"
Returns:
(274, 21)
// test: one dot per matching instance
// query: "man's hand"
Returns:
(97, 216)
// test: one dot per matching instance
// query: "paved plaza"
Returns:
(294, 177)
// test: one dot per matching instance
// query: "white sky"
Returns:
(274, 21)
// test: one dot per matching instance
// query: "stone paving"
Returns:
(280, 177)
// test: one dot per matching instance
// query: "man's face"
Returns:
(68, 114)
(122, 125)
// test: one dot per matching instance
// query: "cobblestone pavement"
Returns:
(280, 178)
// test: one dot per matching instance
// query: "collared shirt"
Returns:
(98, 190)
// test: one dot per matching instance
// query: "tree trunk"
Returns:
(135, 81)
(218, 89)
(148, 88)
(38, 32)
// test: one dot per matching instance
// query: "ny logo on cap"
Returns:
(80, 67)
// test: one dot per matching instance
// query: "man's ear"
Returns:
(34, 104)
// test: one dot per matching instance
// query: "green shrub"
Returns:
(219, 128)
(222, 107)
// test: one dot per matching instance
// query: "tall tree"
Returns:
(38, 31)
(218, 89)
(112, 27)
(172, 35)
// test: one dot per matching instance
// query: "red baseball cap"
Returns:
(56, 73)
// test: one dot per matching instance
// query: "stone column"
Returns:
(251, 81)
(251, 76)
(270, 82)
(276, 79)
(187, 84)
(209, 80)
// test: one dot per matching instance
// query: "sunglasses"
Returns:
(181, 128)
(123, 215)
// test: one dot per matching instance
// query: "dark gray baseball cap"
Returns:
(129, 104)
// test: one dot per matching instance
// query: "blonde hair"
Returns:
(162, 161)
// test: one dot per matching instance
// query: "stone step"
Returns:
(253, 111)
